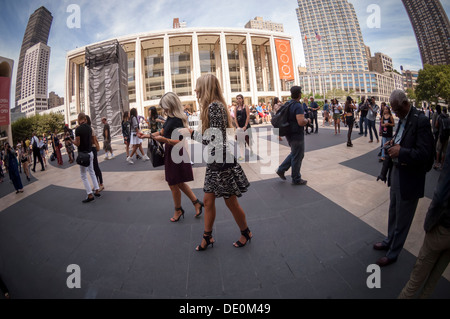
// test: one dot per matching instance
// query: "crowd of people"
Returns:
(409, 149)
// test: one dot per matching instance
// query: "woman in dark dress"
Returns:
(224, 176)
(13, 168)
(242, 122)
(179, 169)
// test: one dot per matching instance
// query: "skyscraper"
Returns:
(37, 31)
(33, 97)
(337, 59)
(432, 29)
(331, 35)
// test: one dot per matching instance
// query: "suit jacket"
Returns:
(416, 155)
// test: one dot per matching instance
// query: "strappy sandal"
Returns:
(246, 234)
(201, 207)
(207, 236)
(180, 209)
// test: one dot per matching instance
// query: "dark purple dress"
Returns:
(178, 169)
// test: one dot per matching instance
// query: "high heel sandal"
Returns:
(173, 220)
(207, 236)
(201, 207)
(246, 234)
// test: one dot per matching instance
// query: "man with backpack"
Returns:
(36, 152)
(291, 121)
(443, 127)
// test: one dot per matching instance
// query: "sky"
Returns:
(103, 20)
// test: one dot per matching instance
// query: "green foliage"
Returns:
(24, 127)
(433, 83)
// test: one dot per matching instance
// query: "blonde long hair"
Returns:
(209, 91)
(171, 104)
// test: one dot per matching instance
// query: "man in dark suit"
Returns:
(412, 154)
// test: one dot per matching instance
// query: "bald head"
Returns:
(400, 103)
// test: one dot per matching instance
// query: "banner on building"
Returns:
(5, 84)
(285, 63)
(108, 85)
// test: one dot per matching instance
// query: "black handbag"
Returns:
(156, 153)
(83, 159)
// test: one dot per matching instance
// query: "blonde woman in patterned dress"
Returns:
(224, 178)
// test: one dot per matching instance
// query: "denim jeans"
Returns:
(294, 160)
(384, 140)
(363, 121)
(371, 126)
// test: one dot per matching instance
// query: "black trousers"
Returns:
(37, 154)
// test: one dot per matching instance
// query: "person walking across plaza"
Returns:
(434, 256)
(95, 149)
(349, 110)
(243, 129)
(178, 173)
(336, 108)
(12, 166)
(443, 126)
(412, 154)
(126, 132)
(387, 130)
(107, 140)
(57, 147)
(83, 141)
(36, 152)
(24, 160)
(135, 141)
(314, 107)
(224, 176)
(295, 138)
(371, 119)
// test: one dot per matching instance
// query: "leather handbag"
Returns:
(83, 159)
(156, 153)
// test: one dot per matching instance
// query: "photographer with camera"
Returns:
(411, 154)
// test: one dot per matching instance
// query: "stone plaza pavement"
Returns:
(310, 242)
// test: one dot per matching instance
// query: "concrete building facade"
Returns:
(246, 61)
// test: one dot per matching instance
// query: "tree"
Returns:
(433, 83)
(24, 127)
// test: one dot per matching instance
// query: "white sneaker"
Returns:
(129, 160)
(146, 158)
(112, 157)
(106, 157)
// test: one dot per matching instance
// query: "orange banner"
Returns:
(284, 54)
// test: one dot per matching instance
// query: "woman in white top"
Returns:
(336, 108)
(135, 141)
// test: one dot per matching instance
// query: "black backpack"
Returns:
(281, 119)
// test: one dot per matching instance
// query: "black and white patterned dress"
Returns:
(224, 176)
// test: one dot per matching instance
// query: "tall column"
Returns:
(167, 69)
(276, 72)
(77, 88)
(251, 70)
(66, 93)
(226, 71)
(87, 104)
(242, 68)
(196, 72)
(139, 79)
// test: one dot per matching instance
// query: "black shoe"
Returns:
(89, 199)
(301, 182)
(201, 207)
(34, 171)
(207, 236)
(97, 194)
(42, 169)
(173, 220)
(246, 234)
(281, 175)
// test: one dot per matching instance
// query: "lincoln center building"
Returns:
(255, 63)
